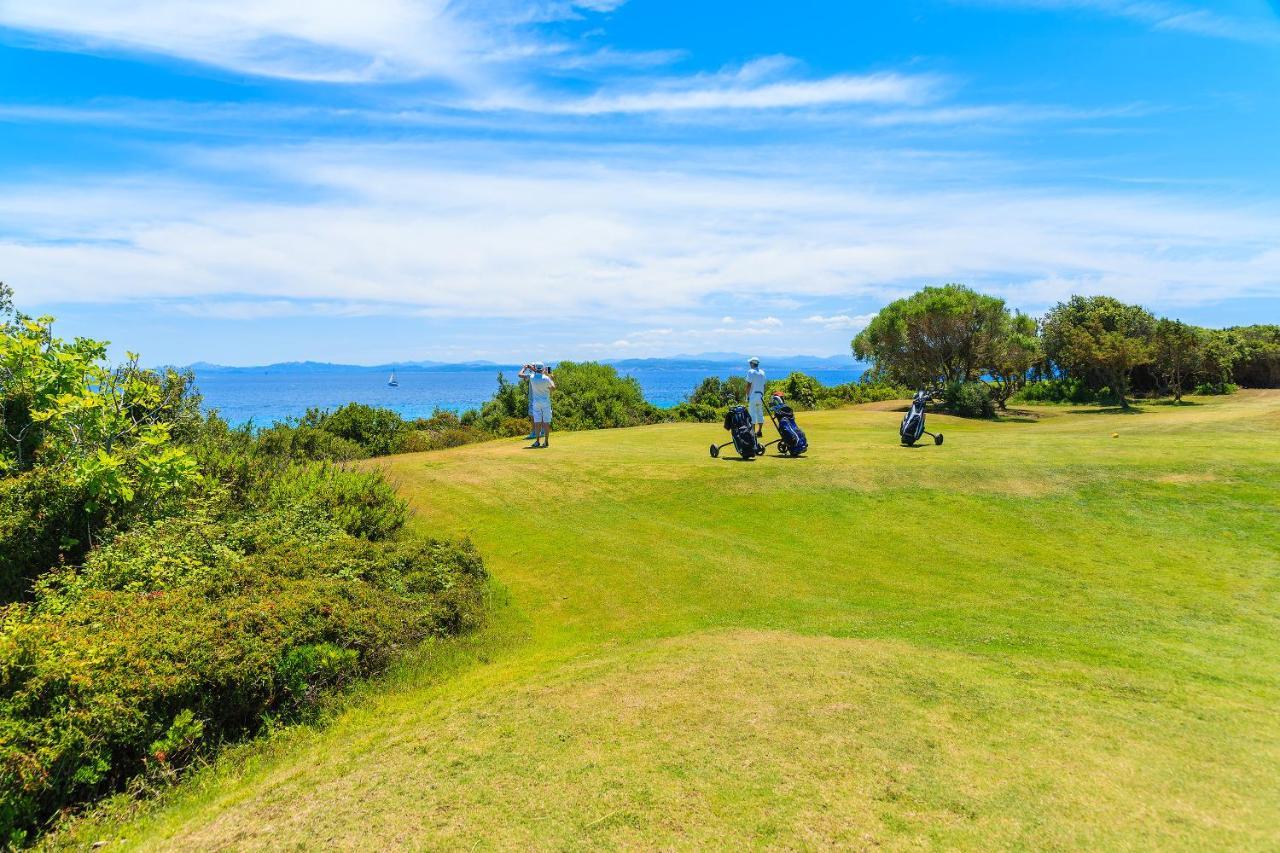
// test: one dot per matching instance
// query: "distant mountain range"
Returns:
(707, 360)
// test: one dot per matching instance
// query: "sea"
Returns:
(262, 397)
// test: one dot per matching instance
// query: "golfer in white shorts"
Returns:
(755, 394)
(540, 387)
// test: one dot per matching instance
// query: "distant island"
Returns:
(709, 361)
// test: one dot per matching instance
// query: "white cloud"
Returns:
(766, 83)
(841, 322)
(323, 40)
(407, 230)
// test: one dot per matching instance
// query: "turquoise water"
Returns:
(268, 396)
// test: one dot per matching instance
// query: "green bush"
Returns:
(43, 523)
(1073, 391)
(970, 400)
(718, 393)
(590, 395)
(378, 431)
(694, 413)
(99, 691)
(303, 442)
(801, 390)
(361, 503)
(1207, 389)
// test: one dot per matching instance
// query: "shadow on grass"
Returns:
(1177, 403)
(1111, 410)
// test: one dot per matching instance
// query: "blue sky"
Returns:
(245, 181)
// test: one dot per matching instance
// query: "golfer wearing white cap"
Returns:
(540, 386)
(755, 394)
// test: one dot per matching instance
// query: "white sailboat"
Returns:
(393, 382)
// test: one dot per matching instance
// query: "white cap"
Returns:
(537, 365)
(753, 360)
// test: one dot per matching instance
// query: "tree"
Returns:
(716, 392)
(1099, 337)
(1014, 351)
(1218, 356)
(1258, 356)
(6, 299)
(1176, 353)
(935, 336)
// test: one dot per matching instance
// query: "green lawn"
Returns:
(1035, 636)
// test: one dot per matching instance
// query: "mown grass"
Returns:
(1034, 636)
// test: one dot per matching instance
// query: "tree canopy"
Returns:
(935, 336)
(1099, 335)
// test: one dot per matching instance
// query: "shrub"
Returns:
(97, 692)
(360, 503)
(718, 393)
(1069, 390)
(802, 391)
(694, 413)
(970, 400)
(378, 431)
(590, 395)
(1207, 389)
(303, 442)
(43, 523)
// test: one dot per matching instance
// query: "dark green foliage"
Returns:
(507, 412)
(937, 335)
(378, 431)
(185, 581)
(590, 395)
(362, 504)
(442, 430)
(1074, 391)
(801, 390)
(119, 681)
(970, 400)
(691, 412)
(308, 442)
(43, 523)
(1257, 363)
(1208, 389)
(1100, 339)
(718, 393)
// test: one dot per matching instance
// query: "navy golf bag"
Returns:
(791, 439)
(738, 422)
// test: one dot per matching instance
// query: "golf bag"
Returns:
(913, 421)
(791, 439)
(738, 422)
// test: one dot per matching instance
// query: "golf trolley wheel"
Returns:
(715, 452)
(783, 450)
(937, 439)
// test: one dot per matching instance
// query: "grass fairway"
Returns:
(1034, 636)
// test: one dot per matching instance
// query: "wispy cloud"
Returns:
(1257, 23)
(319, 41)
(399, 229)
(841, 322)
(766, 83)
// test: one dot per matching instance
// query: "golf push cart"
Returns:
(741, 433)
(791, 440)
(913, 421)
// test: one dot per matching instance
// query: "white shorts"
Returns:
(756, 408)
(541, 412)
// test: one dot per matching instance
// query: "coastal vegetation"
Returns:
(171, 584)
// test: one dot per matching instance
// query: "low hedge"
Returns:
(112, 683)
